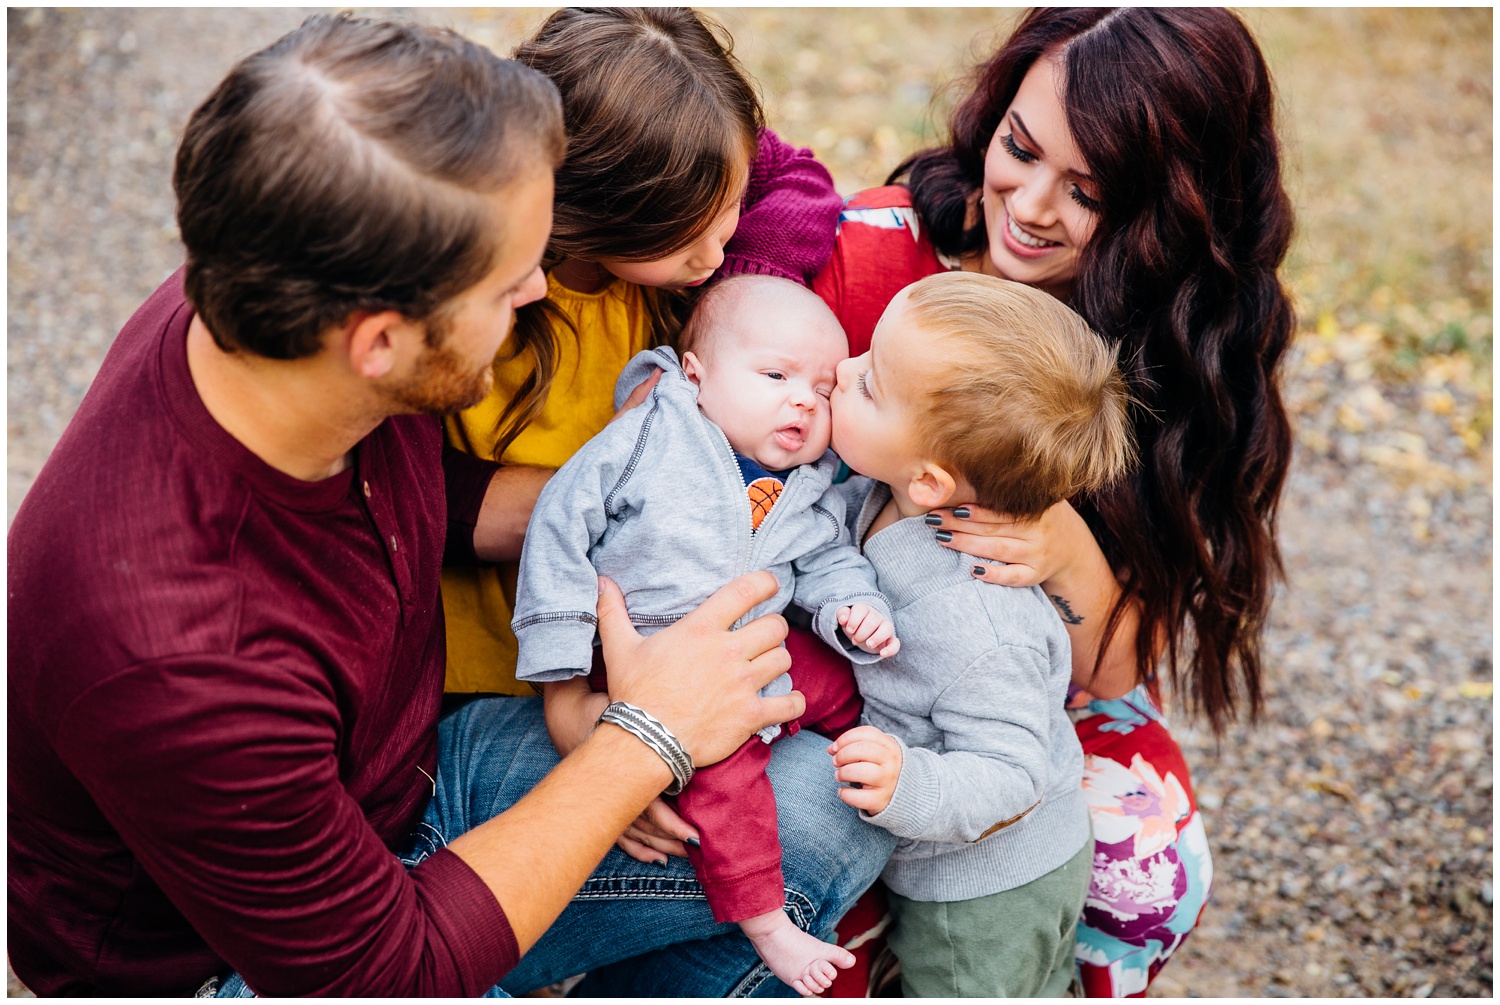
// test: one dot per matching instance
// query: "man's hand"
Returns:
(870, 761)
(869, 629)
(698, 677)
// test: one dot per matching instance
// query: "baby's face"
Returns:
(767, 382)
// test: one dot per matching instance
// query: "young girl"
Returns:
(670, 179)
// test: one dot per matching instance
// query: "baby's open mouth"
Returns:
(791, 437)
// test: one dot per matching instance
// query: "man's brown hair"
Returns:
(1029, 408)
(346, 168)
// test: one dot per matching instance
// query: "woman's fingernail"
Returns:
(979, 570)
(945, 535)
(932, 520)
(659, 862)
(692, 842)
(962, 512)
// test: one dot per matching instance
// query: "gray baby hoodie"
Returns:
(990, 793)
(657, 503)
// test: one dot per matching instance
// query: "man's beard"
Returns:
(443, 382)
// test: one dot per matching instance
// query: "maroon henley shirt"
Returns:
(223, 700)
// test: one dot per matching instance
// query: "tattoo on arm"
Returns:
(1066, 611)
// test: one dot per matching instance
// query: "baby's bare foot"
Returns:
(805, 963)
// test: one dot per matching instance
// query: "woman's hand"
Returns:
(657, 833)
(1057, 552)
(1032, 551)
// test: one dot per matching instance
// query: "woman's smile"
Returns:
(1024, 243)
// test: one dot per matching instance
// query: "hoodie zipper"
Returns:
(746, 533)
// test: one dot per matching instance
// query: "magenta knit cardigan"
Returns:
(790, 216)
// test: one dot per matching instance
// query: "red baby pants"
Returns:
(731, 803)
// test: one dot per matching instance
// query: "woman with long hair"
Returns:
(1126, 162)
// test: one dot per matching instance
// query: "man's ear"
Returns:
(693, 368)
(931, 487)
(371, 343)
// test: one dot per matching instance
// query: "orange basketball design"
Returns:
(763, 494)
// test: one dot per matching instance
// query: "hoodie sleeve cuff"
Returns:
(915, 802)
(552, 647)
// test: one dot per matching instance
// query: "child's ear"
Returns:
(371, 343)
(692, 367)
(931, 487)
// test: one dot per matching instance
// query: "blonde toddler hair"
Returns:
(1030, 408)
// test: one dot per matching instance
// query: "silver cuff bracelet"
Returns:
(645, 727)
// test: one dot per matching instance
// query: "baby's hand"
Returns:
(869, 629)
(870, 761)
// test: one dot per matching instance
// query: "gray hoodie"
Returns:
(990, 793)
(657, 503)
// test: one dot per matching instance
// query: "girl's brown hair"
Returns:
(1172, 110)
(661, 124)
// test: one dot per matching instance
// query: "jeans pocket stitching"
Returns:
(625, 887)
(425, 844)
(751, 982)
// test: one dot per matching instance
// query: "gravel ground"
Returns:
(1352, 828)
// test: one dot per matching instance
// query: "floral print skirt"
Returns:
(1152, 869)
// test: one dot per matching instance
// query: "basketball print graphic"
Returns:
(763, 494)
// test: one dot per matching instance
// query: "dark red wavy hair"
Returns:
(1172, 110)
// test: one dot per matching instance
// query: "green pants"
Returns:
(1013, 944)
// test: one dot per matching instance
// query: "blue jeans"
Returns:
(640, 929)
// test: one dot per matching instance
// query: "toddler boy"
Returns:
(724, 469)
(975, 390)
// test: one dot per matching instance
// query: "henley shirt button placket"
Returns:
(398, 566)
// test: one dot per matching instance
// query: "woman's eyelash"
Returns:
(1009, 140)
(864, 388)
(1076, 194)
(776, 375)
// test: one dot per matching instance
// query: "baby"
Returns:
(724, 470)
(975, 390)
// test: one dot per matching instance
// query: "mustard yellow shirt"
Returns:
(612, 326)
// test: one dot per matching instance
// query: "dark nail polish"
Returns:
(945, 535)
(660, 863)
(962, 512)
(979, 570)
(932, 520)
(692, 842)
